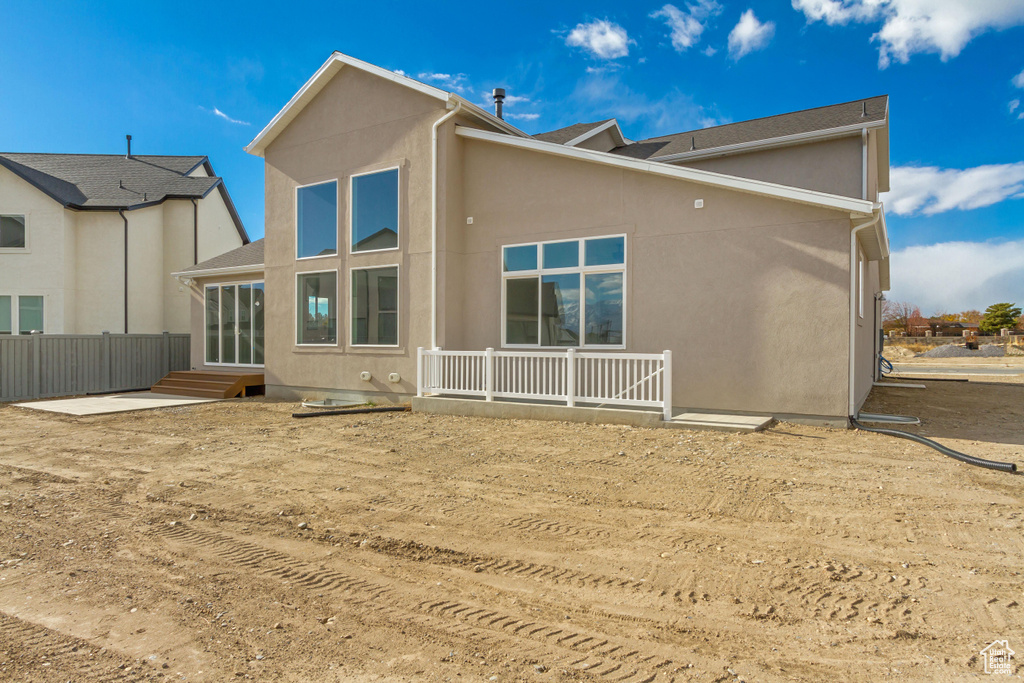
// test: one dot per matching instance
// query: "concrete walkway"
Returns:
(114, 403)
(910, 369)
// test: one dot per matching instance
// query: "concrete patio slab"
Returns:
(722, 423)
(115, 403)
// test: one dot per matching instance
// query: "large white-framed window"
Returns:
(564, 293)
(374, 316)
(235, 323)
(316, 220)
(374, 212)
(13, 233)
(21, 313)
(316, 309)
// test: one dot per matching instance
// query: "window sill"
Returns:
(15, 250)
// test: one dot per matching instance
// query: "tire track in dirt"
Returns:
(68, 652)
(576, 649)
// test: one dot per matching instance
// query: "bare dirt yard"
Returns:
(230, 541)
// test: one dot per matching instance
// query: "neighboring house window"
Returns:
(235, 324)
(12, 232)
(375, 211)
(317, 309)
(316, 220)
(564, 293)
(6, 320)
(375, 306)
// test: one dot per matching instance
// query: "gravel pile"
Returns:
(954, 351)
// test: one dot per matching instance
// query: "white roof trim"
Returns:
(332, 66)
(610, 123)
(230, 270)
(768, 143)
(859, 207)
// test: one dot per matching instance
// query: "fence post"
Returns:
(419, 371)
(570, 378)
(166, 365)
(105, 362)
(489, 374)
(666, 377)
(37, 365)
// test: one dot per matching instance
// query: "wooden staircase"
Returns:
(203, 384)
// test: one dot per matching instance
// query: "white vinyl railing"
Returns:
(623, 379)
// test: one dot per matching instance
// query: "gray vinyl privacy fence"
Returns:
(47, 365)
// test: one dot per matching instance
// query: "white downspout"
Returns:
(864, 163)
(433, 222)
(853, 304)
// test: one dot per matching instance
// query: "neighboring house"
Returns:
(88, 241)
(400, 216)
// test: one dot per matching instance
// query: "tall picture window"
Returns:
(375, 306)
(316, 220)
(12, 232)
(234, 324)
(21, 314)
(317, 308)
(568, 293)
(375, 211)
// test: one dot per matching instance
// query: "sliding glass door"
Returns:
(234, 324)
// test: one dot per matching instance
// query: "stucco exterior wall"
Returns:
(832, 166)
(39, 269)
(357, 123)
(866, 335)
(751, 273)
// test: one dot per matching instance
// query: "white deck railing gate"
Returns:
(622, 379)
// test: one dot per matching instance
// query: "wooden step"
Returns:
(209, 384)
(189, 391)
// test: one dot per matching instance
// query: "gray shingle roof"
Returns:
(770, 127)
(564, 135)
(247, 255)
(111, 181)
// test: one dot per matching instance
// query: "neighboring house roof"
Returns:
(247, 258)
(335, 63)
(564, 135)
(846, 117)
(111, 182)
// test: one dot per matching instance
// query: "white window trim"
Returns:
(27, 249)
(351, 210)
(16, 313)
(582, 270)
(220, 338)
(337, 223)
(398, 303)
(295, 317)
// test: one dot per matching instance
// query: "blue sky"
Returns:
(78, 76)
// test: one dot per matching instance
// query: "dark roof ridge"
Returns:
(770, 116)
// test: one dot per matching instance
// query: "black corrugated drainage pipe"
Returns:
(355, 411)
(1007, 467)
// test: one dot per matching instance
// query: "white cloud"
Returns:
(930, 190)
(522, 117)
(1018, 80)
(749, 35)
(601, 38)
(914, 26)
(1013, 105)
(687, 27)
(710, 51)
(456, 82)
(929, 276)
(218, 113)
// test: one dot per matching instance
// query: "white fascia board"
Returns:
(610, 123)
(782, 141)
(857, 207)
(211, 272)
(331, 67)
(882, 232)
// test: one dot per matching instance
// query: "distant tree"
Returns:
(948, 317)
(970, 316)
(902, 315)
(998, 316)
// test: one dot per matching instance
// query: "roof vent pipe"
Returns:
(864, 110)
(129, 154)
(499, 99)
(693, 143)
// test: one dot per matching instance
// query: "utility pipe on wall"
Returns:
(853, 305)
(195, 232)
(433, 222)
(125, 219)
(864, 163)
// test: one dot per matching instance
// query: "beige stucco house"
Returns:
(88, 241)
(401, 216)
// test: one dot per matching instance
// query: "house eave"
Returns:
(213, 272)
